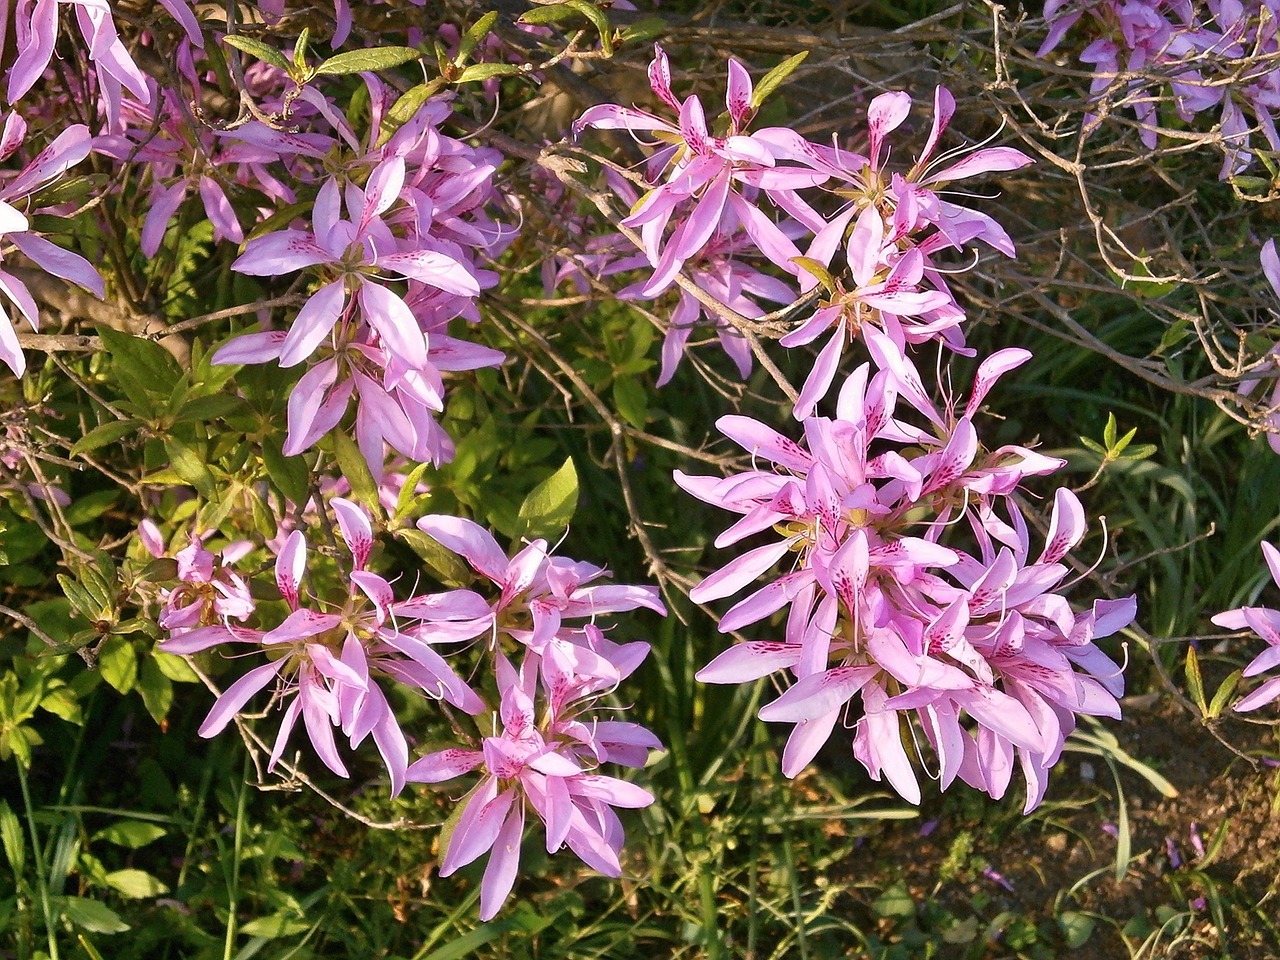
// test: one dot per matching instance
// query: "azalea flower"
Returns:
(1265, 622)
(532, 767)
(67, 149)
(323, 663)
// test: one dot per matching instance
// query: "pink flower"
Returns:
(67, 149)
(989, 662)
(532, 765)
(324, 663)
(1265, 622)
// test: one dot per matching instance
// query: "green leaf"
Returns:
(1109, 432)
(483, 71)
(443, 564)
(204, 409)
(256, 48)
(1224, 692)
(156, 690)
(353, 466)
(599, 19)
(118, 663)
(408, 491)
(135, 884)
(300, 48)
(479, 30)
(775, 78)
(90, 506)
(81, 600)
(1195, 683)
(408, 104)
(548, 13)
(1141, 452)
(130, 833)
(289, 474)
(103, 434)
(11, 838)
(191, 467)
(549, 506)
(1076, 927)
(62, 703)
(895, 902)
(174, 667)
(815, 269)
(632, 401)
(373, 59)
(148, 363)
(280, 924)
(643, 30)
(90, 915)
(69, 190)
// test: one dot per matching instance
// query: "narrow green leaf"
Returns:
(118, 663)
(599, 20)
(442, 563)
(1124, 838)
(11, 837)
(84, 509)
(1195, 683)
(775, 78)
(352, 464)
(817, 271)
(103, 434)
(282, 924)
(1224, 692)
(483, 71)
(1123, 442)
(409, 490)
(300, 47)
(1141, 452)
(479, 30)
(256, 48)
(205, 409)
(643, 31)
(81, 600)
(548, 13)
(191, 467)
(408, 104)
(549, 507)
(372, 59)
(1109, 432)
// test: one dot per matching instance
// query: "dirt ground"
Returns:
(1175, 901)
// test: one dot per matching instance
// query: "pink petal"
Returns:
(236, 696)
(313, 323)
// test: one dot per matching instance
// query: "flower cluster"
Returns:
(979, 646)
(705, 198)
(1217, 56)
(412, 209)
(330, 658)
(1265, 622)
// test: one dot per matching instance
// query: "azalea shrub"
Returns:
(359, 404)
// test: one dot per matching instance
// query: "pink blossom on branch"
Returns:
(976, 649)
(67, 149)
